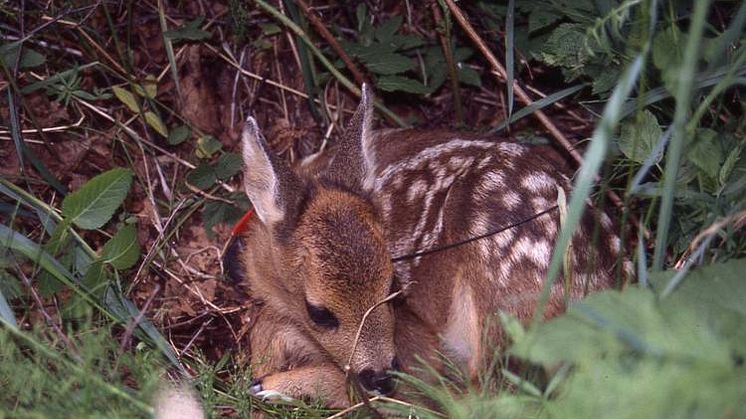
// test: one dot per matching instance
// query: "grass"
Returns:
(100, 303)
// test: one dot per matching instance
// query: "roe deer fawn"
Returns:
(331, 243)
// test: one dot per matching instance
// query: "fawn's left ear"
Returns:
(274, 190)
(354, 160)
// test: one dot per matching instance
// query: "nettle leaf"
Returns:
(123, 250)
(190, 31)
(541, 18)
(402, 84)
(668, 53)
(219, 212)
(228, 165)
(178, 134)
(704, 153)
(386, 31)
(566, 46)
(406, 42)
(633, 344)
(203, 176)
(156, 123)
(207, 145)
(468, 75)
(29, 59)
(126, 97)
(388, 63)
(94, 203)
(639, 136)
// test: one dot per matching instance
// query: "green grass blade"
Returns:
(592, 161)
(683, 98)
(541, 104)
(6, 313)
(510, 53)
(169, 48)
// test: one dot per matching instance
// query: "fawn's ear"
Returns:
(268, 181)
(354, 160)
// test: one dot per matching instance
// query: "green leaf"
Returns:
(639, 137)
(730, 164)
(207, 145)
(219, 212)
(269, 29)
(190, 31)
(468, 75)
(156, 123)
(96, 279)
(403, 84)
(541, 18)
(406, 42)
(705, 153)
(202, 177)
(178, 134)
(126, 97)
(386, 31)
(29, 59)
(94, 203)
(148, 88)
(387, 63)
(123, 250)
(228, 165)
(668, 54)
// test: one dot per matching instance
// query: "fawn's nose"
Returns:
(379, 381)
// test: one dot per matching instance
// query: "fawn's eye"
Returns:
(322, 316)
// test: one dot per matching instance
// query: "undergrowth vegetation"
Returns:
(119, 126)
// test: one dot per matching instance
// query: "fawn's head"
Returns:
(319, 256)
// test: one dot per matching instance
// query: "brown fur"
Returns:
(327, 238)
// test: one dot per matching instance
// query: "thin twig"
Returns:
(329, 38)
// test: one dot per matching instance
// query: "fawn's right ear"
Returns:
(269, 183)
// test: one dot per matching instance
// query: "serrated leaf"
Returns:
(207, 145)
(541, 18)
(96, 279)
(729, 164)
(402, 84)
(387, 63)
(122, 251)
(29, 59)
(202, 177)
(156, 123)
(94, 203)
(406, 42)
(229, 164)
(385, 32)
(126, 97)
(668, 53)
(639, 136)
(218, 212)
(704, 153)
(468, 75)
(178, 134)
(190, 31)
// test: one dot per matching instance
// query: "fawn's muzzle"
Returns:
(379, 381)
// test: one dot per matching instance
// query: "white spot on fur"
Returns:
(511, 149)
(538, 181)
(510, 200)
